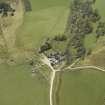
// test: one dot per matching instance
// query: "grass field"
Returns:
(18, 87)
(90, 41)
(46, 19)
(82, 88)
(97, 58)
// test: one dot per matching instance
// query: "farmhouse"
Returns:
(55, 58)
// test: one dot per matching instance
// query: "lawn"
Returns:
(82, 88)
(18, 87)
(46, 19)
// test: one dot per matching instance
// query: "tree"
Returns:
(60, 38)
(94, 16)
(81, 52)
(45, 47)
(100, 31)
(101, 25)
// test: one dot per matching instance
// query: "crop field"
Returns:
(85, 87)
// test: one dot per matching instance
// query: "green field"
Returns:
(46, 19)
(18, 87)
(82, 88)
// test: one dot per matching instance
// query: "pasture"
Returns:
(46, 19)
(86, 87)
(19, 87)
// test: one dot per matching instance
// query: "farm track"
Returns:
(86, 67)
(70, 68)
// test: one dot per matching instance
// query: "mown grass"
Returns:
(18, 87)
(82, 88)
